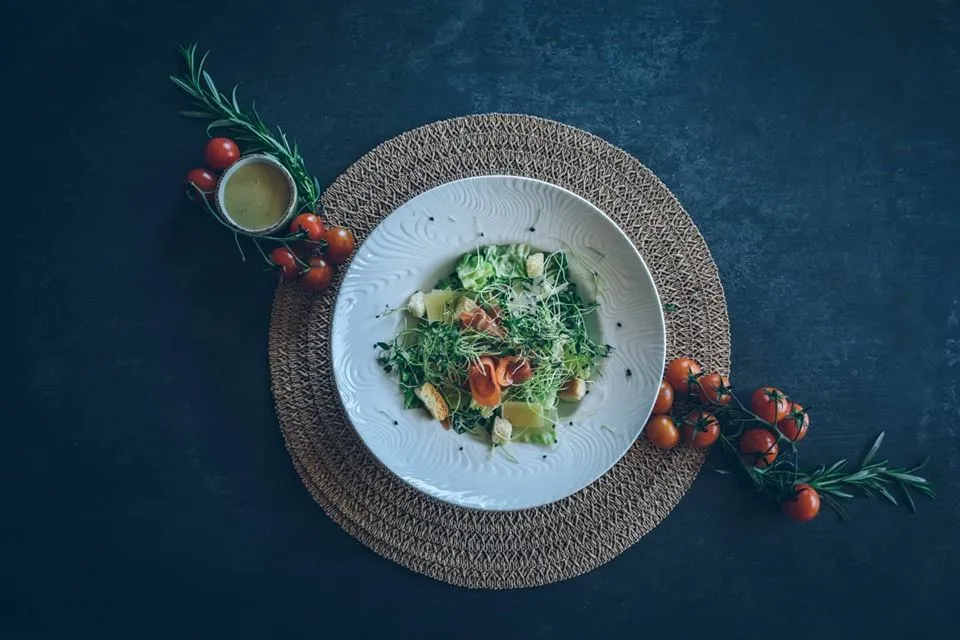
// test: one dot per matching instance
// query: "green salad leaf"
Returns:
(494, 263)
(474, 270)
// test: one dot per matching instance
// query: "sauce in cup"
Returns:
(257, 194)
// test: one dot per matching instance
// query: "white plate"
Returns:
(418, 244)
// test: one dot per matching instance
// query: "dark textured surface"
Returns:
(816, 145)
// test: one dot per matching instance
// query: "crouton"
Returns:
(535, 265)
(433, 401)
(417, 305)
(502, 431)
(465, 305)
(574, 390)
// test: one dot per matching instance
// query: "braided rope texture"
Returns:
(464, 547)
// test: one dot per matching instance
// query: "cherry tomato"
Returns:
(284, 258)
(759, 447)
(664, 398)
(205, 180)
(318, 276)
(803, 505)
(662, 432)
(795, 425)
(714, 388)
(769, 404)
(220, 153)
(680, 371)
(700, 429)
(340, 244)
(309, 224)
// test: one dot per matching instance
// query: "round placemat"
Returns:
(495, 550)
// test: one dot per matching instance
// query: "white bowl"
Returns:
(419, 243)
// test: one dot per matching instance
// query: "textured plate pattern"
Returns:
(419, 242)
(469, 547)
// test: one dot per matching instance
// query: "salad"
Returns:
(496, 345)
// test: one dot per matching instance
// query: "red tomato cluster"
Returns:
(314, 253)
(311, 251)
(775, 415)
(219, 154)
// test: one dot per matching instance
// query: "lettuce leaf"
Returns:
(474, 270)
(503, 262)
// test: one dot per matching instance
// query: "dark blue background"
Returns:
(816, 144)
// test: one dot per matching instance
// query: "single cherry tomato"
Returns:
(759, 447)
(714, 388)
(769, 404)
(220, 153)
(680, 373)
(284, 258)
(700, 429)
(340, 244)
(204, 180)
(662, 432)
(664, 398)
(318, 276)
(309, 224)
(795, 425)
(803, 505)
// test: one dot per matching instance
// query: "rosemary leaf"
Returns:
(872, 453)
(907, 477)
(926, 490)
(908, 497)
(186, 87)
(836, 466)
(886, 494)
(212, 87)
(836, 506)
(833, 491)
(218, 123)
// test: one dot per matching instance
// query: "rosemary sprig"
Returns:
(870, 477)
(833, 483)
(246, 126)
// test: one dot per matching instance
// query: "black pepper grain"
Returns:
(532, 229)
(629, 373)
(619, 324)
(432, 218)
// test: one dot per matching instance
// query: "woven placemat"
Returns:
(495, 549)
